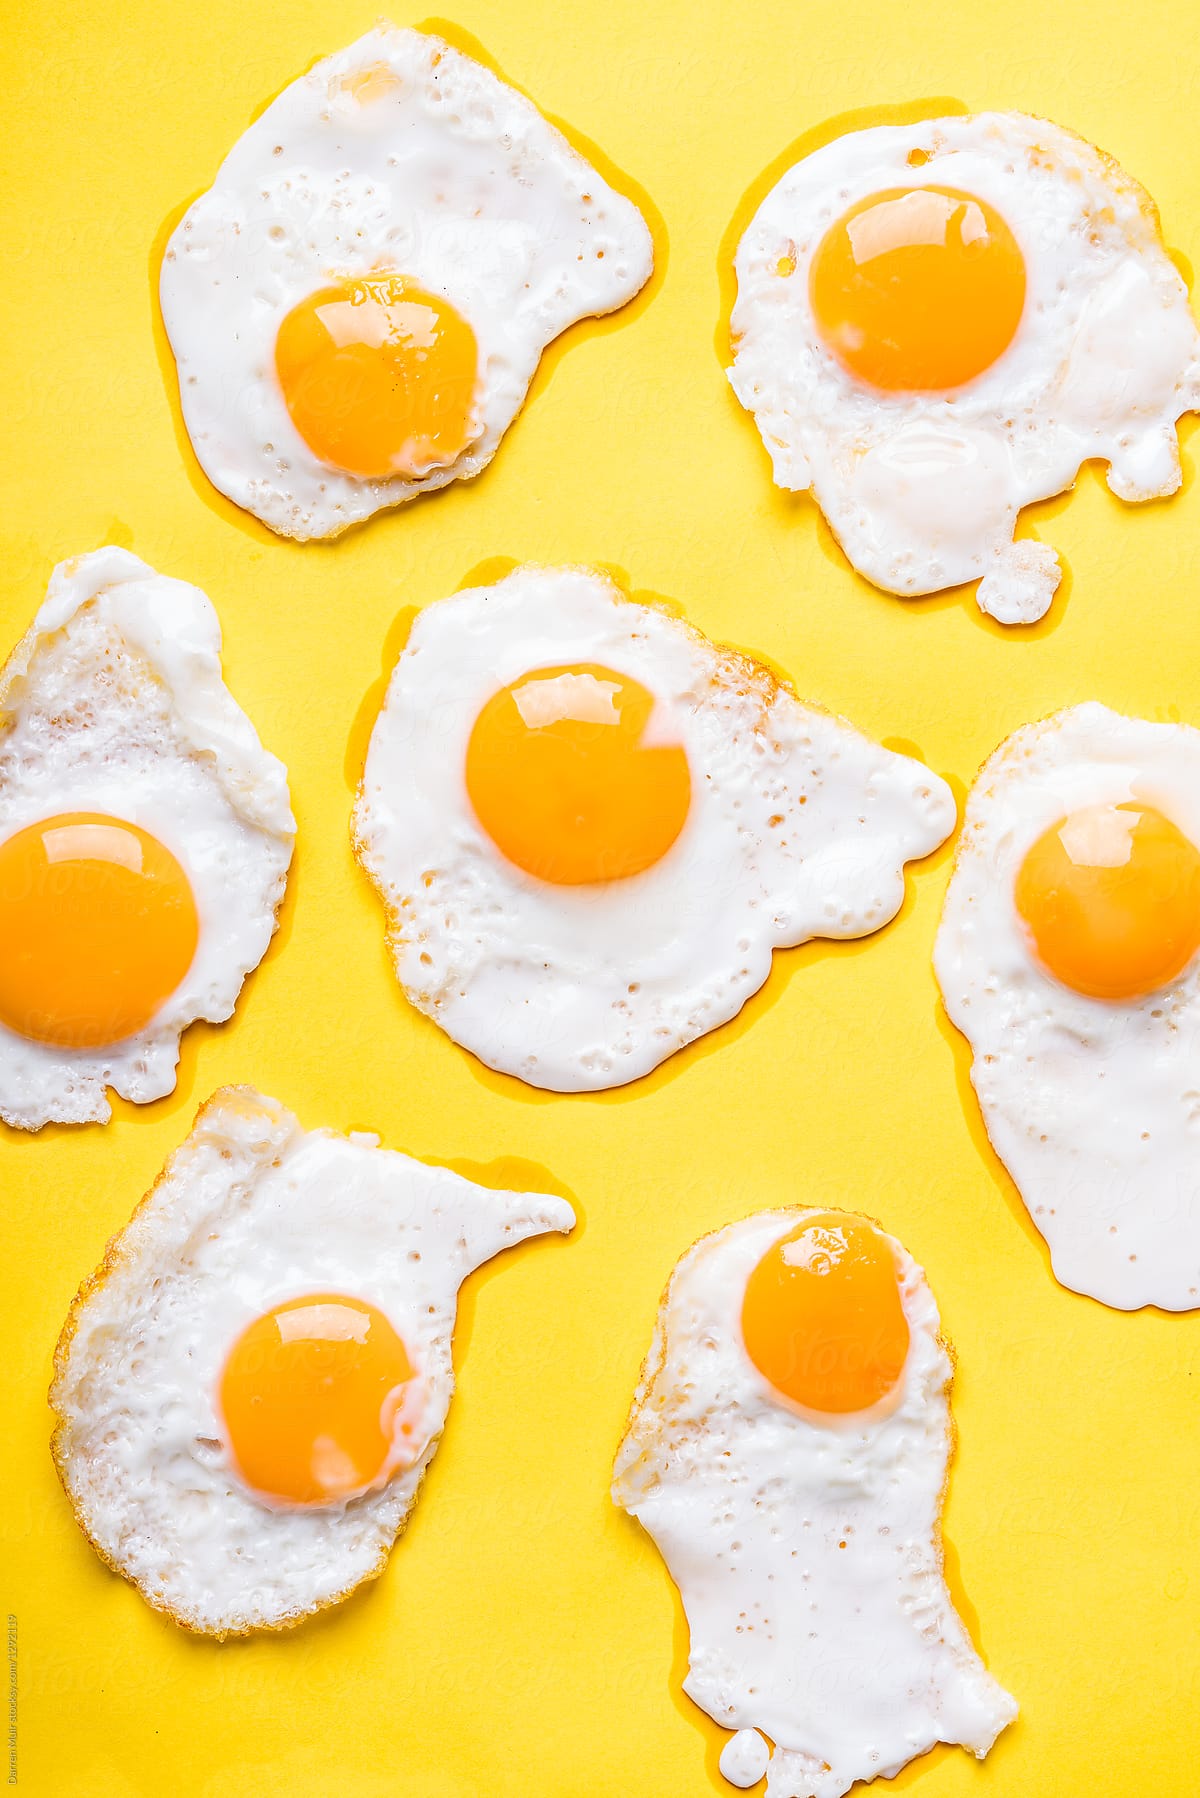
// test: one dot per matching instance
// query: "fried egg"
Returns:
(250, 1387)
(145, 837)
(359, 302)
(1069, 956)
(787, 1451)
(590, 826)
(936, 324)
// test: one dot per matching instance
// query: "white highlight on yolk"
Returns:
(579, 696)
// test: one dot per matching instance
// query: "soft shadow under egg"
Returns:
(977, 1129)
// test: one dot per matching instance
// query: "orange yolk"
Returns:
(564, 783)
(918, 289)
(310, 1395)
(98, 927)
(822, 1318)
(379, 377)
(1111, 898)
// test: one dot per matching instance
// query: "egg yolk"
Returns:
(918, 289)
(1111, 898)
(563, 780)
(379, 377)
(310, 1395)
(98, 927)
(822, 1318)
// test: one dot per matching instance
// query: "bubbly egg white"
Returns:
(114, 702)
(449, 177)
(249, 1212)
(923, 490)
(808, 1557)
(798, 827)
(1093, 1105)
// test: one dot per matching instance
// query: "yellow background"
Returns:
(525, 1638)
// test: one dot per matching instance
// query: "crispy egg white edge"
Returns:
(649, 1466)
(823, 428)
(242, 1138)
(222, 327)
(173, 628)
(412, 818)
(1042, 1052)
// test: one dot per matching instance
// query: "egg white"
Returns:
(923, 490)
(452, 178)
(1093, 1105)
(808, 1557)
(114, 702)
(798, 827)
(249, 1212)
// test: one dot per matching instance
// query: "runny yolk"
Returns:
(311, 1394)
(1110, 896)
(379, 377)
(822, 1318)
(566, 784)
(918, 289)
(98, 927)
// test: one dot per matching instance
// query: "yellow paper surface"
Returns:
(525, 1638)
